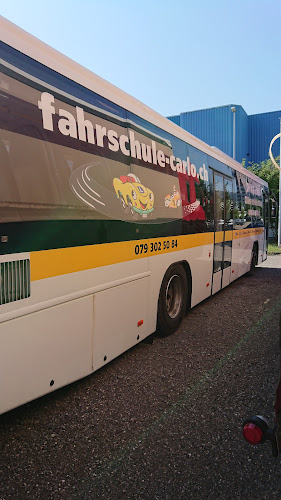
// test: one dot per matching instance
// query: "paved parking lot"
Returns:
(164, 420)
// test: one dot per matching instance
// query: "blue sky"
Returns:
(176, 55)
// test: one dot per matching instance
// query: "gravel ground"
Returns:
(163, 421)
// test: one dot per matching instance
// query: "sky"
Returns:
(173, 55)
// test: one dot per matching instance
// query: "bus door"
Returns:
(223, 224)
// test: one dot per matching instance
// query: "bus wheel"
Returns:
(172, 300)
(254, 259)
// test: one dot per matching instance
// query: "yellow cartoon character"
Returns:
(134, 198)
(174, 200)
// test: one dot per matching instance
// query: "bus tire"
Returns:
(254, 259)
(172, 300)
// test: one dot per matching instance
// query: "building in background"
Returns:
(229, 128)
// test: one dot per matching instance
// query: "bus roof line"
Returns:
(31, 46)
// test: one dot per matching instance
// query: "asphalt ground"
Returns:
(164, 420)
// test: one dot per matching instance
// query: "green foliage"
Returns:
(269, 173)
(273, 249)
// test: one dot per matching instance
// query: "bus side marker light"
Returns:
(232, 271)
(208, 284)
(140, 322)
(209, 254)
(256, 430)
(253, 434)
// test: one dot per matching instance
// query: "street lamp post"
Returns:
(279, 213)
(279, 167)
(233, 109)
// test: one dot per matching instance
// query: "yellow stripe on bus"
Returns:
(220, 236)
(49, 263)
(243, 233)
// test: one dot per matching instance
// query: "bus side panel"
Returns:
(45, 350)
(120, 320)
(241, 254)
(262, 247)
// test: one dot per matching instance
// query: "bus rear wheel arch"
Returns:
(254, 258)
(173, 299)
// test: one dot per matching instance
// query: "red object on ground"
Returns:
(252, 433)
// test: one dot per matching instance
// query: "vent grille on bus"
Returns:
(14, 281)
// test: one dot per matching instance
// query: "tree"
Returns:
(269, 173)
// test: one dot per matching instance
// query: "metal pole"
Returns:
(279, 213)
(233, 109)
(279, 168)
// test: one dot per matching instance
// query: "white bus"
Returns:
(114, 220)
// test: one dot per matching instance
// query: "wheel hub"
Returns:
(174, 296)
